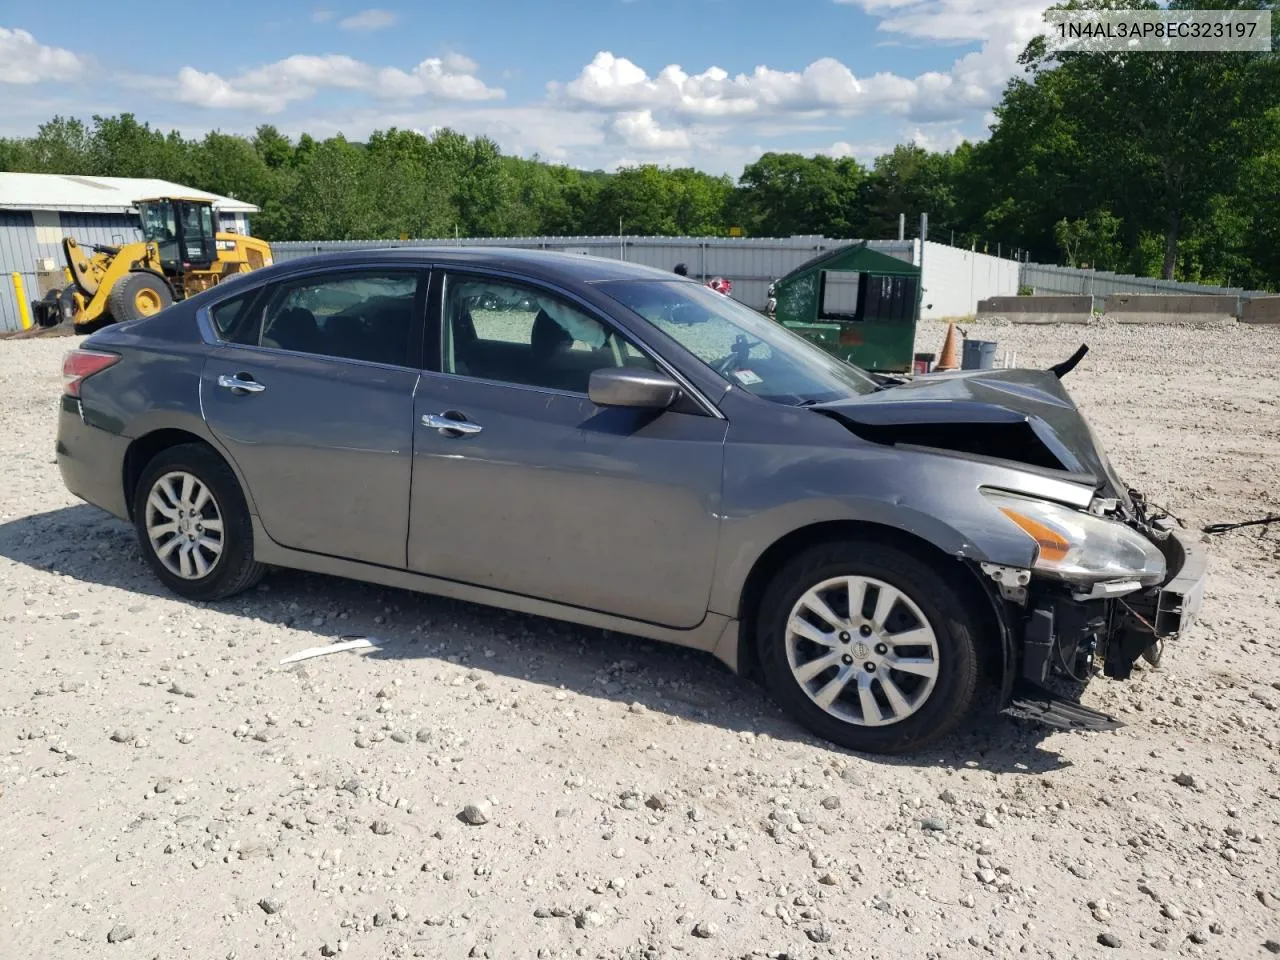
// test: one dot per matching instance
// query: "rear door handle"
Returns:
(240, 383)
(449, 426)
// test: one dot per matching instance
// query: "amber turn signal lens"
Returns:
(1053, 546)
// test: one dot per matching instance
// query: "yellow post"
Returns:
(24, 311)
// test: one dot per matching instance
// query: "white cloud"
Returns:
(936, 141)
(828, 86)
(23, 60)
(210, 90)
(459, 63)
(368, 20)
(611, 81)
(269, 89)
(842, 148)
(322, 15)
(825, 85)
(955, 20)
(640, 131)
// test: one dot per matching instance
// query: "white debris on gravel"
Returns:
(650, 804)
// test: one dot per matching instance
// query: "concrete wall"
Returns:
(1048, 309)
(1047, 278)
(1171, 308)
(1260, 310)
(955, 280)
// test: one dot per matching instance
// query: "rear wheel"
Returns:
(193, 524)
(869, 647)
(138, 295)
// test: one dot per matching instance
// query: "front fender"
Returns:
(772, 491)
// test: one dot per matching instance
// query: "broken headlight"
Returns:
(1079, 547)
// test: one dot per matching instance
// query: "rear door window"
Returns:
(367, 315)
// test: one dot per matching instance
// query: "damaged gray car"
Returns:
(607, 444)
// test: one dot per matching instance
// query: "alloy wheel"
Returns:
(184, 525)
(862, 650)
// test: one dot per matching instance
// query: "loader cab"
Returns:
(183, 229)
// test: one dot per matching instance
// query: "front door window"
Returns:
(495, 330)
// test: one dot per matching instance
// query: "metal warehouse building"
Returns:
(38, 209)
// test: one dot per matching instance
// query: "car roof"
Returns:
(548, 265)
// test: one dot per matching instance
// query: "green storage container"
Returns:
(857, 304)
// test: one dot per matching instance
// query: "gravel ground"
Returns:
(484, 784)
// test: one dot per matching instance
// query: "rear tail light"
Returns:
(79, 365)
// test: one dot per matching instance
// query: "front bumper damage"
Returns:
(1067, 636)
(1152, 616)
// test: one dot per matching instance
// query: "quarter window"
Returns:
(232, 320)
(496, 330)
(364, 316)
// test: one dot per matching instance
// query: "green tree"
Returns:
(122, 147)
(405, 187)
(230, 166)
(1155, 137)
(273, 147)
(783, 194)
(701, 202)
(61, 145)
(326, 199)
(1090, 241)
(639, 201)
(910, 180)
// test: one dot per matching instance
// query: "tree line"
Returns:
(1159, 165)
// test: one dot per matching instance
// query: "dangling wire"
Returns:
(1215, 528)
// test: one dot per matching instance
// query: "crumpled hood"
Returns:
(1024, 416)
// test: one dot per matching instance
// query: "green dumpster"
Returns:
(857, 304)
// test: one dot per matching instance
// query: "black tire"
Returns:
(234, 570)
(127, 298)
(946, 607)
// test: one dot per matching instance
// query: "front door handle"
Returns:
(240, 383)
(449, 426)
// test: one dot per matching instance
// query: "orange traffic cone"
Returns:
(950, 359)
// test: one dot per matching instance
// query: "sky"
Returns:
(596, 84)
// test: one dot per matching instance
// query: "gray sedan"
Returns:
(612, 445)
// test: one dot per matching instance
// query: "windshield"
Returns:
(745, 348)
(158, 223)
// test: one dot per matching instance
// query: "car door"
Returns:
(521, 484)
(310, 392)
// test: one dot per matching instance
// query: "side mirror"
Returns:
(632, 387)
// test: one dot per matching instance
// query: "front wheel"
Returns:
(193, 524)
(869, 647)
(136, 295)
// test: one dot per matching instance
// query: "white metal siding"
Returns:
(235, 222)
(750, 264)
(21, 251)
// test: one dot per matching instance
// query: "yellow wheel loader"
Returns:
(181, 254)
